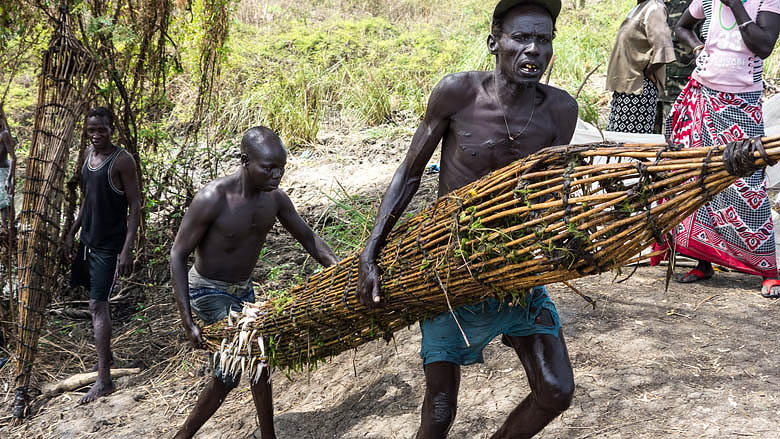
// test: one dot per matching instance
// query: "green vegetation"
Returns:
(297, 67)
(374, 63)
(346, 223)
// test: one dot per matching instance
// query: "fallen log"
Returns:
(83, 379)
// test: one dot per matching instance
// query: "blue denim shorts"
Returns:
(212, 305)
(442, 340)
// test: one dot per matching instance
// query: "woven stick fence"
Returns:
(560, 214)
(67, 75)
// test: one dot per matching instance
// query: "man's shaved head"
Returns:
(259, 138)
(263, 158)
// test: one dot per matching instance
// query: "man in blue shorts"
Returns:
(226, 225)
(486, 120)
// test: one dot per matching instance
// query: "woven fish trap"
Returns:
(67, 74)
(561, 214)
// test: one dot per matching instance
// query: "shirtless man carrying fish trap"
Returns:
(226, 225)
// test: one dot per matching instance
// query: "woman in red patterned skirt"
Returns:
(720, 104)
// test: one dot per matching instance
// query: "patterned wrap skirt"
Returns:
(631, 113)
(735, 229)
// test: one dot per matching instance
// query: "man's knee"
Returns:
(98, 306)
(556, 395)
(444, 409)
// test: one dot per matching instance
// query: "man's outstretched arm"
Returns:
(301, 231)
(442, 104)
(198, 218)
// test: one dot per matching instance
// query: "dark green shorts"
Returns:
(102, 273)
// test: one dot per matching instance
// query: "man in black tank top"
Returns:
(109, 191)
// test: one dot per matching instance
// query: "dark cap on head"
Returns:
(552, 6)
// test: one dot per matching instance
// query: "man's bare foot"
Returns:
(97, 390)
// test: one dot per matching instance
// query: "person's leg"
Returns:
(549, 372)
(263, 397)
(101, 323)
(102, 272)
(111, 362)
(442, 380)
(208, 402)
(702, 271)
(5, 200)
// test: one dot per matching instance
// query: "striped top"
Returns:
(726, 64)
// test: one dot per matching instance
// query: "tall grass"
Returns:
(374, 62)
(346, 223)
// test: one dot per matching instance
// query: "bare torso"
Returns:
(476, 141)
(232, 243)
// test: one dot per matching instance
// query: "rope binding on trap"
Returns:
(739, 157)
(20, 402)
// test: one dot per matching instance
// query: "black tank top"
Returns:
(104, 217)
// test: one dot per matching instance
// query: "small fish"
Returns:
(249, 343)
(233, 364)
(223, 358)
(242, 337)
(251, 312)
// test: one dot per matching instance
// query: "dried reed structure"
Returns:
(561, 214)
(68, 72)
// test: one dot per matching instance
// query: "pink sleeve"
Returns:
(770, 6)
(696, 9)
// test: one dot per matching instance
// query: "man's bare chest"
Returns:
(239, 221)
(488, 142)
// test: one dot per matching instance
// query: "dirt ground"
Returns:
(698, 361)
